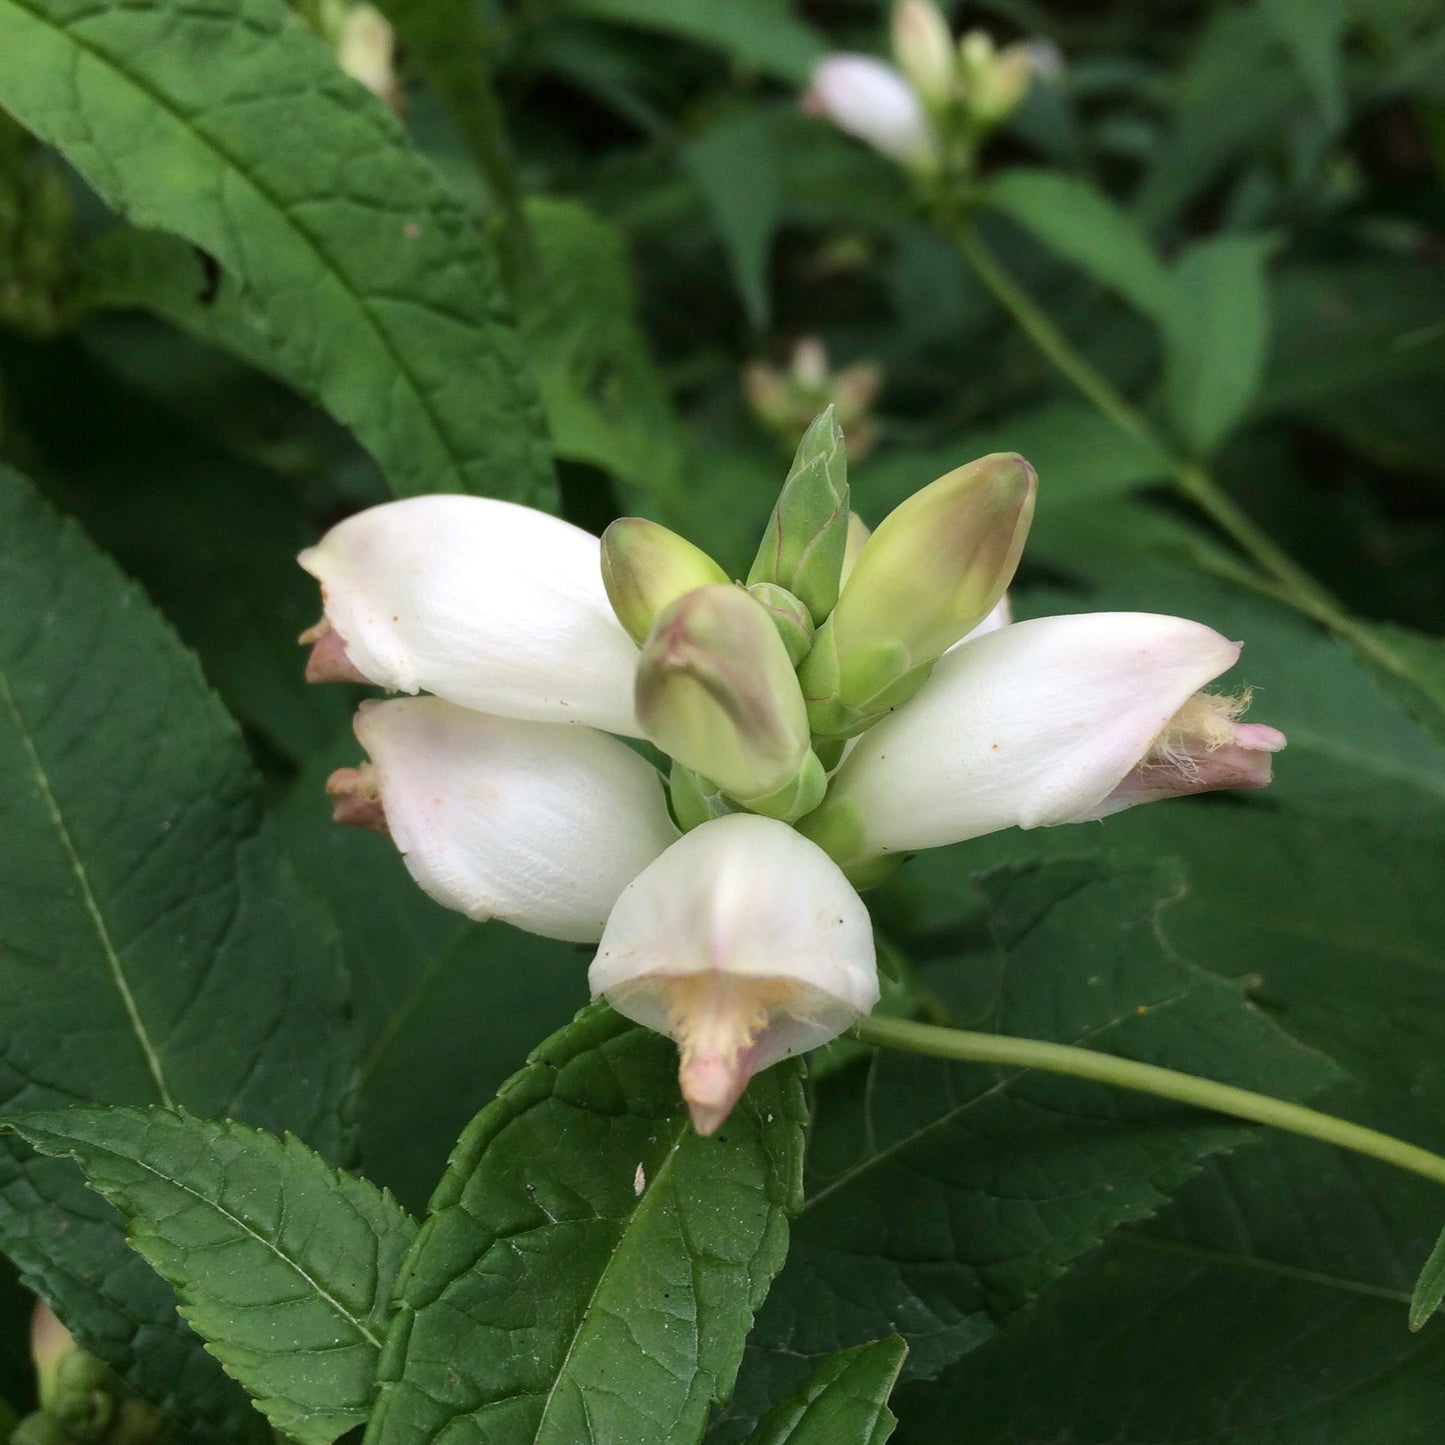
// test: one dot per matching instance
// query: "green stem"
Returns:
(961, 1045)
(1193, 480)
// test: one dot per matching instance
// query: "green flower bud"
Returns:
(789, 616)
(923, 48)
(928, 575)
(717, 692)
(645, 567)
(808, 532)
(40, 1429)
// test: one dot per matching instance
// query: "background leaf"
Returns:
(1079, 222)
(367, 279)
(155, 948)
(284, 1265)
(1218, 337)
(1429, 1288)
(605, 401)
(590, 1266)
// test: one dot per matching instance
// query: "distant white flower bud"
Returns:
(870, 100)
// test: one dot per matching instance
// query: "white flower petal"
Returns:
(540, 825)
(745, 943)
(1033, 724)
(485, 603)
(869, 99)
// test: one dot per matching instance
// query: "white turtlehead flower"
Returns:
(488, 604)
(539, 824)
(1056, 720)
(745, 943)
(871, 100)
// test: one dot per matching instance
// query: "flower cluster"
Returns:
(857, 698)
(932, 109)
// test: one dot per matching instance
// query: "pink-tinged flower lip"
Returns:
(743, 942)
(327, 660)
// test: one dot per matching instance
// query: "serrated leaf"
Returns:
(590, 1266)
(1429, 1288)
(284, 1265)
(368, 281)
(843, 1402)
(605, 401)
(1269, 1302)
(1217, 340)
(153, 946)
(1077, 221)
(1008, 1177)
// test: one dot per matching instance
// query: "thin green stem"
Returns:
(1295, 586)
(960, 1044)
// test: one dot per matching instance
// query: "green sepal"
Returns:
(694, 799)
(807, 534)
(796, 798)
(790, 617)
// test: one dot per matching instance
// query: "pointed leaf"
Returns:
(369, 282)
(590, 1266)
(1218, 338)
(1430, 1287)
(843, 1402)
(1079, 222)
(153, 947)
(284, 1265)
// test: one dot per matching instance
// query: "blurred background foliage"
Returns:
(669, 228)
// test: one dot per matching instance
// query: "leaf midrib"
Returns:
(275, 204)
(87, 894)
(337, 1307)
(586, 1318)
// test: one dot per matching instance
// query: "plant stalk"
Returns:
(1181, 1088)
(1193, 480)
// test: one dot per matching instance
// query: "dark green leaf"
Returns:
(284, 1265)
(1312, 30)
(605, 401)
(1429, 1288)
(155, 948)
(1009, 1178)
(590, 1267)
(843, 1402)
(761, 36)
(367, 280)
(1268, 1303)
(734, 167)
(1218, 337)
(1077, 221)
